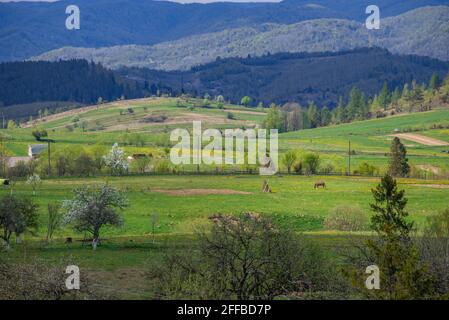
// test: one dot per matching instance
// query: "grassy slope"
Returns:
(119, 265)
(371, 139)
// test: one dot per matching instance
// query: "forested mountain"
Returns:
(295, 77)
(75, 81)
(279, 78)
(28, 29)
(424, 31)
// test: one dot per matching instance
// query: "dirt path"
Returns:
(421, 139)
(197, 192)
(257, 113)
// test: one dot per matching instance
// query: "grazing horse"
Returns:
(320, 184)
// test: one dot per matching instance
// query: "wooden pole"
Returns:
(49, 155)
(349, 158)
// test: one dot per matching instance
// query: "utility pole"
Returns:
(49, 154)
(49, 142)
(349, 158)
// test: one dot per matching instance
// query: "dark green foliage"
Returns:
(39, 134)
(384, 97)
(75, 80)
(274, 78)
(434, 82)
(17, 215)
(399, 166)
(402, 274)
(389, 207)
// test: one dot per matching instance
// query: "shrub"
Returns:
(20, 170)
(230, 116)
(311, 163)
(246, 257)
(162, 166)
(346, 218)
(367, 169)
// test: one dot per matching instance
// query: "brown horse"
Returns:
(320, 184)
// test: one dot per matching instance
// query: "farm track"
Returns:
(418, 138)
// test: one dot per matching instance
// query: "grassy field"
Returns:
(293, 202)
(105, 125)
(182, 206)
(184, 203)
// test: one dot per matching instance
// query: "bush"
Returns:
(366, 169)
(311, 163)
(36, 280)
(20, 170)
(346, 218)
(162, 166)
(247, 257)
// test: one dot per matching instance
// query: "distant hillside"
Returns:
(77, 81)
(299, 77)
(279, 78)
(29, 29)
(424, 31)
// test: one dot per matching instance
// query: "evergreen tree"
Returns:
(434, 82)
(396, 95)
(401, 273)
(313, 115)
(326, 116)
(357, 107)
(375, 106)
(339, 113)
(399, 166)
(417, 94)
(384, 97)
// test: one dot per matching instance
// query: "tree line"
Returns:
(411, 98)
(73, 80)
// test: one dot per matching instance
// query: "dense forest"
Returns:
(76, 81)
(295, 77)
(303, 78)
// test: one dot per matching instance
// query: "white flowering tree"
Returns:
(116, 161)
(35, 182)
(95, 207)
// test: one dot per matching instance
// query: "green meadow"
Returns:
(183, 204)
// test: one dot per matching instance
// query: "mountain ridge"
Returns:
(29, 29)
(423, 31)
